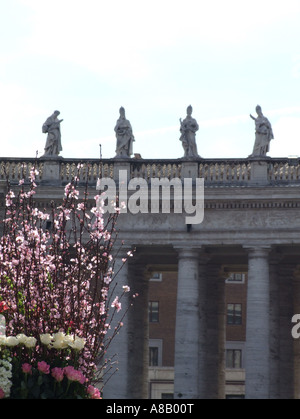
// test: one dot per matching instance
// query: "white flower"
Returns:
(30, 342)
(19, 239)
(76, 343)
(21, 338)
(5, 376)
(59, 341)
(12, 341)
(62, 341)
(2, 340)
(46, 339)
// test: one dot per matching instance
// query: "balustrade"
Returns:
(216, 172)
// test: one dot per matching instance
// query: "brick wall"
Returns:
(165, 292)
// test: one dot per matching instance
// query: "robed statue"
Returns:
(52, 128)
(263, 134)
(188, 129)
(124, 136)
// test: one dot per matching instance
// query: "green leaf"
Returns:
(23, 385)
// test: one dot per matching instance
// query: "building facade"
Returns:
(162, 326)
(218, 341)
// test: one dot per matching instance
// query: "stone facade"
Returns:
(251, 218)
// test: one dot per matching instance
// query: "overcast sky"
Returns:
(87, 58)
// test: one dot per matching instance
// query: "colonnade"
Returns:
(272, 358)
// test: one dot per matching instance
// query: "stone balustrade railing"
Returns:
(15, 169)
(216, 172)
(284, 170)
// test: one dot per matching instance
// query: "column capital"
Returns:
(187, 252)
(258, 251)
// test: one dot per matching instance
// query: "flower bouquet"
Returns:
(57, 295)
(61, 379)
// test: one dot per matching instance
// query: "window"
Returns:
(155, 352)
(233, 358)
(235, 354)
(234, 314)
(153, 311)
(156, 277)
(236, 278)
(153, 356)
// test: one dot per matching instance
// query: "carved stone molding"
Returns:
(186, 251)
(257, 251)
(253, 204)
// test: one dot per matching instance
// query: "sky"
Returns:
(87, 58)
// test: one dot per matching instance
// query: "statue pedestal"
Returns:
(121, 165)
(51, 169)
(190, 169)
(259, 171)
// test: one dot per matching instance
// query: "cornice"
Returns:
(251, 204)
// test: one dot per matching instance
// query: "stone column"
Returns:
(215, 333)
(118, 385)
(221, 337)
(203, 368)
(296, 342)
(258, 325)
(138, 336)
(274, 327)
(286, 352)
(187, 326)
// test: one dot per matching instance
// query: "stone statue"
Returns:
(52, 128)
(263, 134)
(188, 128)
(124, 136)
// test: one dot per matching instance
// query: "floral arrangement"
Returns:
(38, 379)
(57, 294)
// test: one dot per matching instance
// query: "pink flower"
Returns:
(94, 392)
(2, 394)
(58, 374)
(69, 371)
(116, 303)
(27, 368)
(44, 367)
(80, 207)
(74, 375)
